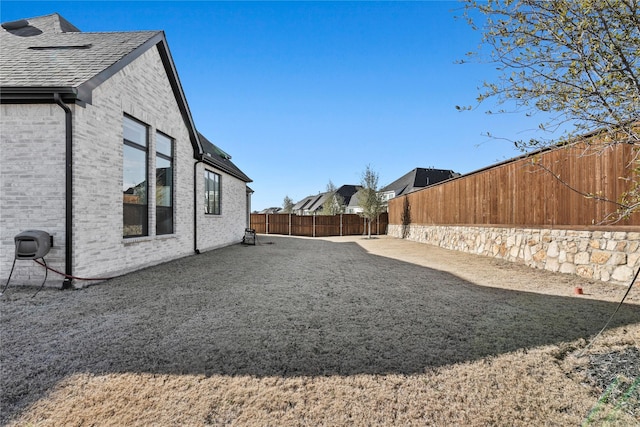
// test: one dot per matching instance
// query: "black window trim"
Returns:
(171, 159)
(146, 151)
(135, 144)
(219, 193)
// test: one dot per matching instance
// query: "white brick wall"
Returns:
(142, 91)
(32, 185)
(228, 227)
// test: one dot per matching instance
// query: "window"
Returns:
(211, 193)
(164, 184)
(134, 179)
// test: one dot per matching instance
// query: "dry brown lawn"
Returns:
(340, 331)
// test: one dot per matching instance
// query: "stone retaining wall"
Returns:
(610, 256)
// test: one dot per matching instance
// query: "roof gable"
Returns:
(43, 56)
(67, 59)
(49, 52)
(355, 199)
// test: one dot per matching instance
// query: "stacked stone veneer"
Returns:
(609, 256)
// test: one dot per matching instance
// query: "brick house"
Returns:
(99, 149)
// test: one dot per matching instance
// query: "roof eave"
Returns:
(221, 166)
(38, 94)
(83, 93)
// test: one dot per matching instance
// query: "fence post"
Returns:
(289, 224)
(314, 225)
(266, 216)
(340, 225)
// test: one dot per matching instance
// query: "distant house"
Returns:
(347, 192)
(411, 181)
(414, 180)
(99, 150)
(313, 205)
(273, 210)
(310, 205)
(353, 206)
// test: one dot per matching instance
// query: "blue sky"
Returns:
(300, 93)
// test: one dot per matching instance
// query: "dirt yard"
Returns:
(339, 331)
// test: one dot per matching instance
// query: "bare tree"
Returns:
(334, 202)
(577, 61)
(287, 205)
(368, 198)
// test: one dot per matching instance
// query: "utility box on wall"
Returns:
(33, 244)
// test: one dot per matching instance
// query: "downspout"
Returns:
(195, 208)
(68, 239)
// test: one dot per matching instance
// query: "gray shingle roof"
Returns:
(304, 203)
(418, 178)
(53, 53)
(53, 23)
(47, 58)
(219, 159)
(347, 192)
(316, 204)
(354, 201)
(40, 56)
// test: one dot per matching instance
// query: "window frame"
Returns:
(217, 208)
(144, 207)
(170, 158)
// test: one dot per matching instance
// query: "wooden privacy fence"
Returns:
(317, 225)
(574, 185)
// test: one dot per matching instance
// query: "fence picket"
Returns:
(539, 190)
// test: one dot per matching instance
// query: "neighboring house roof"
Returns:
(418, 178)
(46, 56)
(272, 210)
(316, 204)
(304, 203)
(217, 158)
(355, 202)
(347, 192)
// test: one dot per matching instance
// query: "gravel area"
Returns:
(301, 331)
